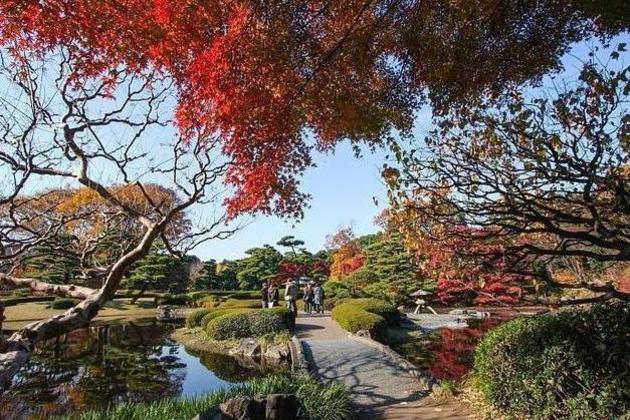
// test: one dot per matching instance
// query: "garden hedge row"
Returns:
(573, 364)
(240, 324)
(12, 301)
(63, 303)
(181, 299)
(241, 303)
(193, 319)
(220, 312)
(373, 315)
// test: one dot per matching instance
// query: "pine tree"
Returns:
(392, 268)
(158, 270)
(53, 262)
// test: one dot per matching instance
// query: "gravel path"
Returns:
(371, 377)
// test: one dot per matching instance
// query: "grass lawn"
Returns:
(19, 315)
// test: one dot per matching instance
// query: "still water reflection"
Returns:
(103, 365)
(448, 353)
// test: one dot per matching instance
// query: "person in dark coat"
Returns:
(273, 296)
(308, 298)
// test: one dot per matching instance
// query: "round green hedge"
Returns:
(373, 315)
(194, 318)
(241, 324)
(215, 313)
(573, 364)
(63, 303)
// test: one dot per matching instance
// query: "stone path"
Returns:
(374, 381)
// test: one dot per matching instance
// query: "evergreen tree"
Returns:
(261, 264)
(159, 271)
(389, 269)
(53, 261)
(290, 241)
(226, 275)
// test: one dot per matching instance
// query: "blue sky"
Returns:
(342, 189)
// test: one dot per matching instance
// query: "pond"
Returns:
(448, 354)
(95, 367)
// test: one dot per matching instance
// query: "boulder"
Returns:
(364, 334)
(247, 347)
(277, 351)
(282, 407)
(272, 407)
(243, 408)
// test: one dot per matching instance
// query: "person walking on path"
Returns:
(273, 296)
(318, 299)
(308, 298)
(291, 295)
(264, 295)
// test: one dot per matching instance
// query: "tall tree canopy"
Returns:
(529, 178)
(267, 75)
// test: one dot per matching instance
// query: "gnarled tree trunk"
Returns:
(19, 346)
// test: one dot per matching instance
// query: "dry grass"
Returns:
(473, 398)
(22, 314)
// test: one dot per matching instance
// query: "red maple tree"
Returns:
(465, 273)
(259, 75)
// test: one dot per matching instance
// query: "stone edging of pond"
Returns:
(299, 364)
(426, 380)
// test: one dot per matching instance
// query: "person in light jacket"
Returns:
(318, 299)
(264, 295)
(291, 295)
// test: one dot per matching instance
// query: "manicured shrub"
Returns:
(245, 322)
(379, 307)
(286, 314)
(269, 321)
(572, 364)
(239, 303)
(230, 325)
(63, 303)
(245, 295)
(352, 318)
(194, 318)
(22, 292)
(181, 299)
(373, 315)
(215, 313)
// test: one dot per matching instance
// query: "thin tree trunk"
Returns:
(140, 293)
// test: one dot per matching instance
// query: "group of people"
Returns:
(313, 296)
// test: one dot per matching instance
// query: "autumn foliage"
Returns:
(254, 80)
(347, 256)
(269, 77)
(469, 272)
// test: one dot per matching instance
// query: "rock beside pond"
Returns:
(167, 313)
(249, 347)
(273, 407)
(254, 348)
(277, 351)
(282, 407)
